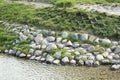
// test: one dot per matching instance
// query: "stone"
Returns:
(114, 43)
(51, 47)
(89, 63)
(116, 56)
(97, 40)
(65, 60)
(77, 53)
(115, 67)
(59, 39)
(60, 45)
(96, 63)
(6, 51)
(76, 44)
(110, 57)
(23, 37)
(12, 52)
(105, 61)
(37, 53)
(22, 55)
(49, 58)
(50, 38)
(113, 61)
(45, 32)
(105, 54)
(106, 41)
(37, 58)
(99, 57)
(56, 62)
(65, 34)
(92, 38)
(85, 45)
(32, 58)
(91, 57)
(91, 48)
(72, 62)
(108, 50)
(18, 53)
(64, 41)
(28, 56)
(52, 33)
(117, 49)
(58, 55)
(42, 59)
(84, 37)
(39, 38)
(45, 42)
(43, 46)
(81, 63)
(83, 57)
(38, 46)
(69, 43)
(31, 51)
(74, 36)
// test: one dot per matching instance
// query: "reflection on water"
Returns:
(12, 68)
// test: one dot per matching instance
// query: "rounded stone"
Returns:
(99, 57)
(65, 34)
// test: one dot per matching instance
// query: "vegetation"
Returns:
(54, 18)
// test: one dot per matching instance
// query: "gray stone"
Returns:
(81, 63)
(38, 46)
(96, 63)
(85, 45)
(115, 61)
(64, 41)
(65, 60)
(117, 49)
(92, 38)
(18, 53)
(105, 54)
(23, 37)
(49, 58)
(57, 55)
(91, 57)
(114, 43)
(60, 45)
(59, 39)
(12, 52)
(77, 53)
(74, 36)
(115, 67)
(106, 41)
(31, 51)
(65, 34)
(37, 58)
(52, 33)
(50, 38)
(6, 51)
(39, 38)
(42, 59)
(69, 43)
(32, 58)
(116, 56)
(84, 37)
(37, 53)
(28, 56)
(105, 61)
(43, 46)
(51, 47)
(76, 44)
(45, 42)
(97, 40)
(89, 63)
(22, 55)
(110, 57)
(56, 62)
(91, 48)
(99, 57)
(72, 62)
(45, 32)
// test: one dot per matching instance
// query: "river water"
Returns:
(12, 68)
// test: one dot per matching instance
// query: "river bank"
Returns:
(31, 70)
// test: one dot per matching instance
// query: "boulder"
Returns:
(106, 41)
(57, 55)
(99, 57)
(105, 61)
(60, 45)
(31, 51)
(39, 38)
(12, 52)
(96, 63)
(56, 62)
(49, 58)
(37, 53)
(32, 58)
(80, 62)
(51, 47)
(37, 58)
(89, 63)
(117, 49)
(84, 37)
(72, 62)
(42, 59)
(50, 38)
(22, 55)
(65, 34)
(18, 53)
(115, 67)
(65, 60)
(23, 37)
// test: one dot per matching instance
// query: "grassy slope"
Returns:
(53, 18)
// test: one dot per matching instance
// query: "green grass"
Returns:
(54, 18)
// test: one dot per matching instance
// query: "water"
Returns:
(12, 68)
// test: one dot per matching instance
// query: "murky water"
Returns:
(12, 68)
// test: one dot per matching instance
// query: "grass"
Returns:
(54, 18)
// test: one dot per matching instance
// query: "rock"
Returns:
(83, 57)
(105, 61)
(115, 67)
(83, 50)
(81, 63)
(113, 61)
(74, 36)
(38, 46)
(52, 33)
(57, 55)
(12, 52)
(51, 47)
(69, 43)
(31, 51)
(105, 54)
(42, 59)
(84, 37)
(91, 48)
(89, 63)
(99, 57)
(50, 38)
(72, 62)
(96, 63)
(114, 43)
(106, 41)
(110, 57)
(43, 46)
(45, 42)
(39, 38)
(117, 49)
(64, 41)
(37, 58)
(92, 38)
(65, 60)
(76, 53)
(45, 32)
(32, 58)
(108, 50)
(56, 62)
(44, 54)
(76, 44)
(97, 40)
(49, 58)
(85, 45)
(116, 56)
(37, 53)
(23, 37)
(28, 56)
(18, 53)
(6, 51)
(91, 57)
(60, 45)
(22, 55)
(59, 39)
(65, 34)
